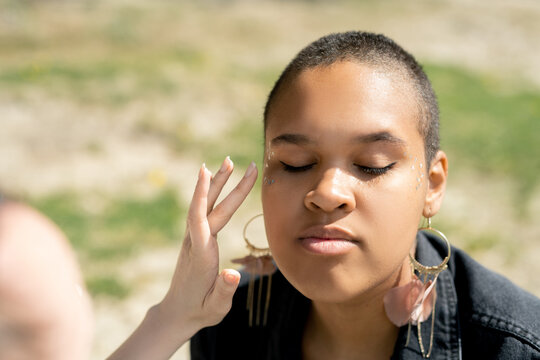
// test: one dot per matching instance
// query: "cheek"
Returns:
(394, 213)
(278, 196)
(283, 205)
(405, 187)
(387, 212)
(392, 201)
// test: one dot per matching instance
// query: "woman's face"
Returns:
(345, 180)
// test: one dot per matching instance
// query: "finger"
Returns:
(197, 220)
(219, 300)
(223, 212)
(218, 181)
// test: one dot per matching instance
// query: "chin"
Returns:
(330, 294)
(328, 284)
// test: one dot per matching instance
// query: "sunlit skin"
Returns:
(343, 149)
(340, 222)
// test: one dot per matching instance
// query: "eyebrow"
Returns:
(299, 139)
(384, 136)
(296, 139)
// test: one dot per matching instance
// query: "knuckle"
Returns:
(241, 185)
(237, 192)
(224, 292)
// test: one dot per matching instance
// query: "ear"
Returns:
(438, 173)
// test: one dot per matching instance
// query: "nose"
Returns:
(334, 191)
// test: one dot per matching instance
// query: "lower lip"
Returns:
(327, 246)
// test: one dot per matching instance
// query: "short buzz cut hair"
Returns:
(375, 50)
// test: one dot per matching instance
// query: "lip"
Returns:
(327, 240)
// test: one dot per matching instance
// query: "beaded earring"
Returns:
(414, 302)
(258, 264)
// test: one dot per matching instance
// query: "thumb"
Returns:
(219, 301)
(226, 285)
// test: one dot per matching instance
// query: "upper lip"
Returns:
(328, 232)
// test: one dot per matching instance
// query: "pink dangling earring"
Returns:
(259, 262)
(414, 302)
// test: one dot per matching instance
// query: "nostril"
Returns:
(326, 198)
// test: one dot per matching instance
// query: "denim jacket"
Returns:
(478, 315)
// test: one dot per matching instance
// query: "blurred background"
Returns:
(108, 108)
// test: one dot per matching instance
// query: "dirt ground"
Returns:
(45, 141)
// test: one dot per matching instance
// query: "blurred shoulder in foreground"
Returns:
(45, 312)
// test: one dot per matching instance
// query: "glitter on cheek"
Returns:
(269, 152)
(414, 163)
(270, 155)
(418, 168)
(268, 181)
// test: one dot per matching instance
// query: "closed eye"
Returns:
(294, 169)
(375, 170)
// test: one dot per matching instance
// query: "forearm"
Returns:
(157, 337)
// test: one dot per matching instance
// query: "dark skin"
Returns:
(341, 202)
(344, 151)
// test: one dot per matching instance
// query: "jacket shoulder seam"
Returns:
(506, 326)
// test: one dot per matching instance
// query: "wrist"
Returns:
(172, 323)
(158, 337)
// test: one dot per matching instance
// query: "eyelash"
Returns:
(374, 170)
(366, 169)
(295, 169)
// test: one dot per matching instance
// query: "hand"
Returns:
(199, 296)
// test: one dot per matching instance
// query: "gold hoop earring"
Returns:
(432, 270)
(428, 276)
(258, 263)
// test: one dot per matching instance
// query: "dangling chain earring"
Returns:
(259, 262)
(414, 302)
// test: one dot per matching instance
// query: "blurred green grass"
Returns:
(490, 126)
(111, 56)
(486, 124)
(123, 227)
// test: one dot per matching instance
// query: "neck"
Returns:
(357, 329)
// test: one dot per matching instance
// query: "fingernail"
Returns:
(250, 169)
(225, 164)
(229, 278)
(204, 170)
(201, 170)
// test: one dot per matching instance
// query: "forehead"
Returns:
(345, 97)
